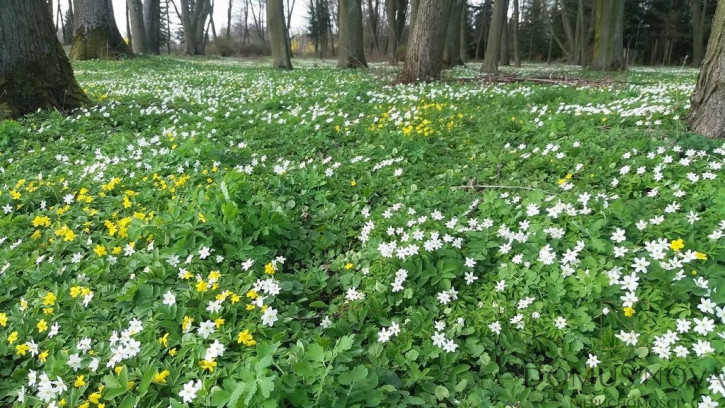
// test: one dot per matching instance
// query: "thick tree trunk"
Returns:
(395, 11)
(424, 57)
(95, 34)
(707, 116)
(193, 20)
(278, 35)
(452, 49)
(138, 31)
(515, 34)
(34, 70)
(493, 44)
(504, 59)
(609, 36)
(697, 13)
(413, 17)
(152, 25)
(229, 20)
(351, 48)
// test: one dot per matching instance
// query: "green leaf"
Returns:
(441, 392)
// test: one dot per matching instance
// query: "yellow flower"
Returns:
(3, 319)
(79, 382)
(36, 234)
(43, 356)
(252, 294)
(629, 312)
(208, 365)
(39, 221)
(75, 291)
(349, 266)
(269, 268)
(12, 337)
(62, 403)
(48, 310)
(95, 397)
(172, 352)
(187, 323)
(101, 405)
(353, 183)
(42, 326)
(202, 218)
(677, 244)
(85, 405)
(246, 338)
(23, 304)
(201, 286)
(235, 298)
(164, 340)
(701, 256)
(250, 307)
(100, 250)
(118, 369)
(49, 299)
(21, 349)
(160, 378)
(219, 322)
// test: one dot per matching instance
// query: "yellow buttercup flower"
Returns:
(160, 378)
(3, 319)
(172, 352)
(629, 312)
(701, 256)
(349, 266)
(79, 382)
(164, 340)
(245, 338)
(42, 326)
(49, 299)
(269, 268)
(208, 365)
(13, 337)
(100, 250)
(677, 244)
(43, 356)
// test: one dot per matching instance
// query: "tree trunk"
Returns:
(152, 25)
(504, 57)
(463, 33)
(424, 57)
(351, 48)
(707, 116)
(493, 44)
(95, 34)
(393, 11)
(452, 48)
(697, 13)
(135, 8)
(609, 36)
(193, 20)
(413, 17)
(515, 34)
(229, 20)
(34, 70)
(278, 35)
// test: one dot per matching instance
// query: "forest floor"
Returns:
(216, 233)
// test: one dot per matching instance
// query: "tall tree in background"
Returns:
(95, 34)
(278, 35)
(152, 25)
(515, 34)
(707, 116)
(351, 52)
(424, 56)
(395, 11)
(609, 36)
(34, 70)
(452, 48)
(194, 14)
(493, 45)
(698, 14)
(138, 30)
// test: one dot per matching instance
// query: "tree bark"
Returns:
(493, 44)
(351, 50)
(424, 56)
(152, 25)
(697, 13)
(34, 70)
(395, 11)
(515, 34)
(135, 8)
(95, 34)
(609, 36)
(193, 19)
(504, 57)
(278, 35)
(452, 48)
(707, 116)
(413, 17)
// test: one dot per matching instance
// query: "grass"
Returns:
(216, 233)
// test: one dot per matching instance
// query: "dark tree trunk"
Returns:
(95, 34)
(413, 17)
(493, 44)
(152, 24)
(278, 35)
(395, 11)
(697, 13)
(193, 20)
(463, 33)
(504, 59)
(229, 20)
(609, 36)
(515, 34)
(424, 57)
(136, 21)
(34, 70)
(452, 49)
(707, 116)
(351, 48)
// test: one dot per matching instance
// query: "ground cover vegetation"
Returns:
(211, 234)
